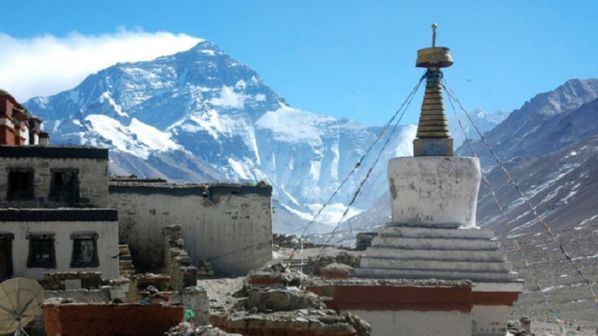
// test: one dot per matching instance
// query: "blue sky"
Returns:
(356, 58)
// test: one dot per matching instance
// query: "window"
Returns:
(64, 186)
(41, 251)
(20, 184)
(85, 250)
(6, 255)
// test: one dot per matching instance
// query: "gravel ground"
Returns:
(220, 290)
(569, 328)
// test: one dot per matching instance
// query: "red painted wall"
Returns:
(110, 319)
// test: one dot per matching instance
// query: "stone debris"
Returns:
(275, 274)
(271, 303)
(60, 280)
(289, 241)
(520, 328)
(188, 329)
(336, 271)
(204, 269)
(315, 264)
(363, 240)
(177, 262)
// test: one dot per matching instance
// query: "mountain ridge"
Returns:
(204, 108)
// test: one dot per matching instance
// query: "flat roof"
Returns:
(58, 215)
(161, 186)
(53, 152)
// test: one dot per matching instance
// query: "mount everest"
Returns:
(201, 116)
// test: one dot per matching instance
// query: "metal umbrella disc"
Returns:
(20, 303)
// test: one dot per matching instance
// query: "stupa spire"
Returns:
(433, 137)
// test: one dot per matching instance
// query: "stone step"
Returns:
(435, 243)
(445, 255)
(391, 263)
(379, 273)
(419, 232)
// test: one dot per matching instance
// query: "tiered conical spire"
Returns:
(433, 137)
(432, 121)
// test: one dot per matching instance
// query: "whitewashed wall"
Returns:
(416, 323)
(107, 245)
(437, 191)
(231, 230)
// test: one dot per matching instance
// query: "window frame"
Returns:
(78, 237)
(53, 193)
(31, 262)
(29, 193)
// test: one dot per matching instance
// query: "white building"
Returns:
(54, 215)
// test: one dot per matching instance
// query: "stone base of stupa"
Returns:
(425, 253)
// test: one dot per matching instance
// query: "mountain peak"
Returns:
(570, 95)
(202, 108)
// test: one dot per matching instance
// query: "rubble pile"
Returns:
(336, 271)
(59, 280)
(289, 241)
(520, 328)
(204, 269)
(315, 265)
(176, 259)
(277, 274)
(188, 329)
(271, 303)
(363, 240)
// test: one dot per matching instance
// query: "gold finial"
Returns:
(434, 26)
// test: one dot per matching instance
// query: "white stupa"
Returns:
(433, 233)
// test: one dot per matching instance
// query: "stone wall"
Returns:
(177, 263)
(71, 280)
(230, 226)
(107, 242)
(91, 163)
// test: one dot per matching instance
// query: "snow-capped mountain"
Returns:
(200, 115)
(461, 128)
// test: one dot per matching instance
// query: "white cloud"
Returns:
(47, 64)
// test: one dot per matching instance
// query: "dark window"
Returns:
(6, 255)
(41, 251)
(64, 186)
(85, 250)
(20, 184)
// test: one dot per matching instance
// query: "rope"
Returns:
(359, 163)
(369, 172)
(473, 152)
(550, 310)
(516, 246)
(527, 201)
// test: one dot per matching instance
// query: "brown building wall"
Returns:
(7, 135)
